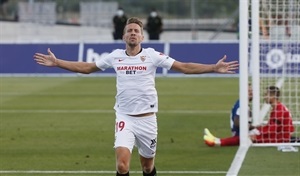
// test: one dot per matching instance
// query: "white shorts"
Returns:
(136, 131)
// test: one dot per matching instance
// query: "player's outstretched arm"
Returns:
(194, 68)
(50, 60)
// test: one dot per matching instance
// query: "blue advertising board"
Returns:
(17, 58)
(206, 53)
(276, 57)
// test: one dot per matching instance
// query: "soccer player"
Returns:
(136, 99)
(234, 140)
(280, 127)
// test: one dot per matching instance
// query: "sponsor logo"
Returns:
(131, 68)
(276, 58)
(93, 56)
(153, 143)
(162, 54)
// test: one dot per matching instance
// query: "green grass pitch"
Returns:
(67, 124)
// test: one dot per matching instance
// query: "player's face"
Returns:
(268, 97)
(133, 35)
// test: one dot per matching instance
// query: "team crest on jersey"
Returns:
(143, 58)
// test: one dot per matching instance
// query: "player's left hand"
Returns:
(252, 137)
(47, 60)
(226, 67)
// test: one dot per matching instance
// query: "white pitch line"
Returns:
(104, 172)
(111, 111)
(110, 93)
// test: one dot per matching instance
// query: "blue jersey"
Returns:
(235, 113)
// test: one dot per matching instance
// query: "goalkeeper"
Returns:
(280, 120)
(280, 127)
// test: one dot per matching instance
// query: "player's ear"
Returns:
(123, 36)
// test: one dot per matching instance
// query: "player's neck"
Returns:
(133, 51)
(274, 104)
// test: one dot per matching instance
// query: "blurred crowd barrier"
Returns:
(38, 12)
(48, 21)
(52, 20)
(98, 13)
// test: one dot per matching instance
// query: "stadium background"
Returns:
(183, 20)
(64, 126)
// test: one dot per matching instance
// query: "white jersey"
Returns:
(136, 93)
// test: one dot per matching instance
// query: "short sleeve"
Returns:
(160, 59)
(105, 62)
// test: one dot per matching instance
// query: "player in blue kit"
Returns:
(136, 100)
(234, 140)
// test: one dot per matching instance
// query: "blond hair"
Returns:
(135, 20)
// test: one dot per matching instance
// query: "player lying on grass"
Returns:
(136, 99)
(279, 128)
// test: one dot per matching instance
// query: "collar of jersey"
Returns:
(136, 54)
